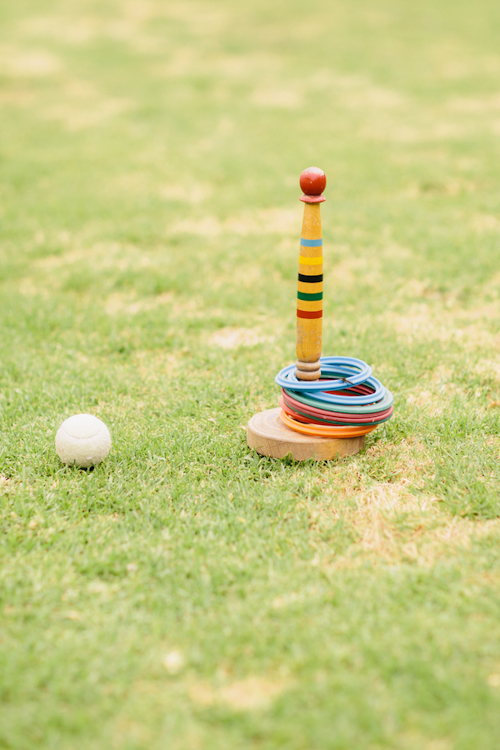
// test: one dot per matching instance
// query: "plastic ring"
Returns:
(347, 401)
(326, 431)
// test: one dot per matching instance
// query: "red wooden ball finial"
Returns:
(312, 181)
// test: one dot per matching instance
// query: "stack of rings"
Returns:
(346, 402)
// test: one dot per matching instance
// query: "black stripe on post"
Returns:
(310, 279)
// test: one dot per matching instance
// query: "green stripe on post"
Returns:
(310, 297)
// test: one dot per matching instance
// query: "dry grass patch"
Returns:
(83, 107)
(488, 368)
(105, 255)
(394, 526)
(249, 694)
(282, 221)
(476, 105)
(28, 63)
(391, 521)
(347, 272)
(284, 97)
(353, 90)
(4, 480)
(234, 338)
(392, 530)
(16, 98)
(424, 322)
(482, 223)
(120, 303)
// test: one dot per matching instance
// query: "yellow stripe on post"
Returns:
(304, 304)
(310, 261)
(310, 287)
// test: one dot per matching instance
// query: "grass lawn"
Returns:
(188, 594)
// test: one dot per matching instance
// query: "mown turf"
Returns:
(187, 593)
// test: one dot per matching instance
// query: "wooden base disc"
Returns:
(271, 437)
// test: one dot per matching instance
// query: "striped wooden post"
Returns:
(267, 433)
(310, 284)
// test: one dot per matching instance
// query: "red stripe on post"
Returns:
(311, 314)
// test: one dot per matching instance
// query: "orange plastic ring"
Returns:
(326, 431)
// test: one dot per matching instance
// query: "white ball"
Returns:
(83, 440)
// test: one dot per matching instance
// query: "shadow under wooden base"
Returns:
(271, 437)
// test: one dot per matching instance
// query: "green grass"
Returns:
(187, 594)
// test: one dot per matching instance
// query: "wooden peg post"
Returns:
(266, 432)
(310, 284)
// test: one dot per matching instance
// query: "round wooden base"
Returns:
(271, 437)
